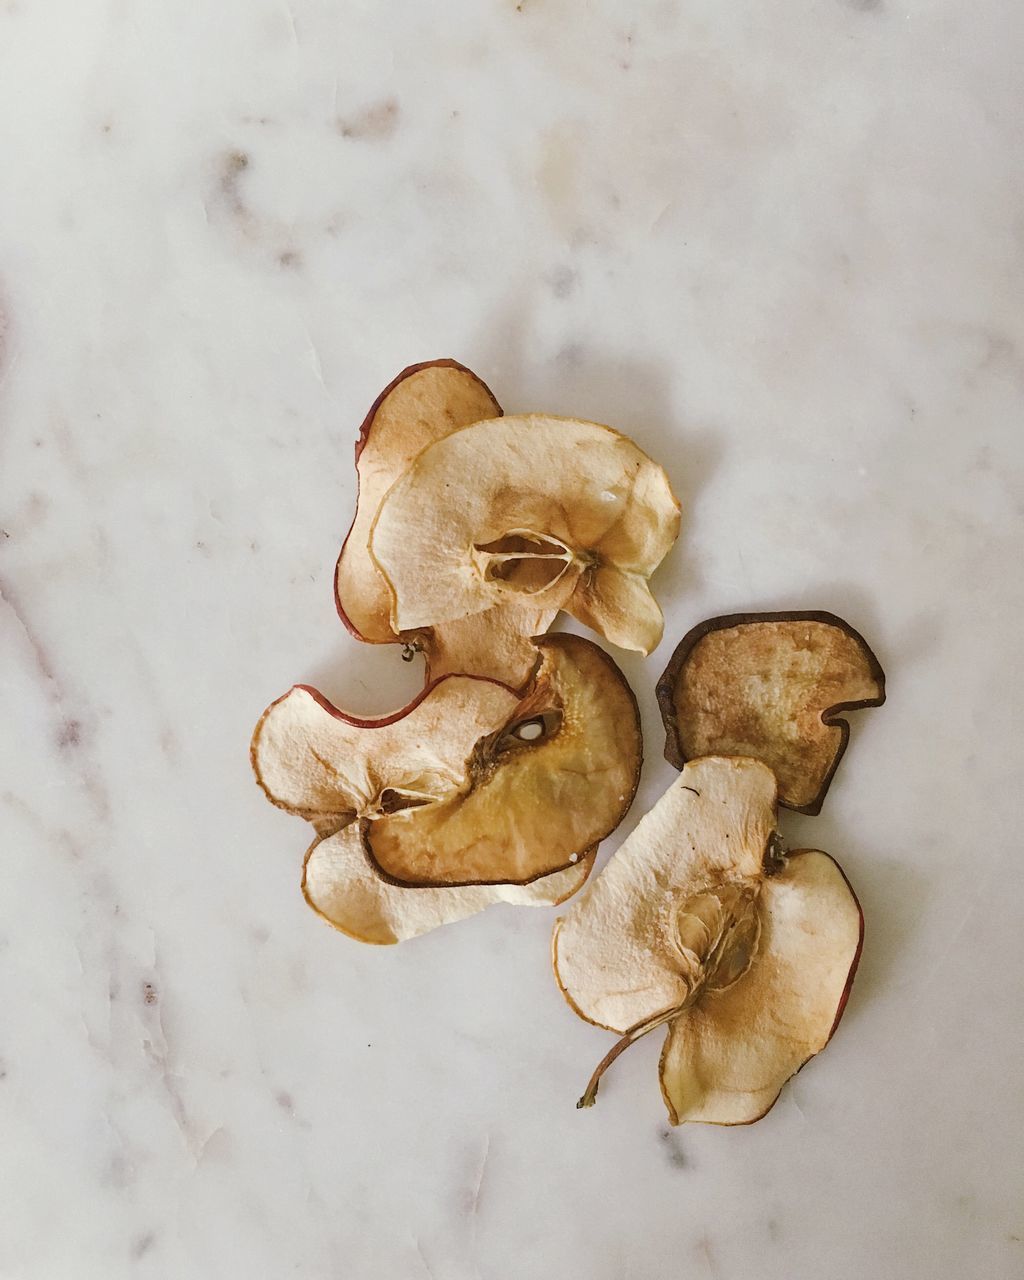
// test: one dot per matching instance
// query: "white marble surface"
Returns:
(783, 245)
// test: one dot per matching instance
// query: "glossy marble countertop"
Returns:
(783, 247)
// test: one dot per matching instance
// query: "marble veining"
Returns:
(784, 249)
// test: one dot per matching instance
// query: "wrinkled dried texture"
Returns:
(727, 1057)
(424, 403)
(535, 512)
(770, 686)
(497, 643)
(340, 884)
(530, 806)
(617, 950)
(328, 767)
(700, 923)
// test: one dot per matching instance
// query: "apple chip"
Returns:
(701, 922)
(340, 884)
(340, 773)
(553, 779)
(772, 686)
(726, 1059)
(329, 767)
(424, 403)
(535, 512)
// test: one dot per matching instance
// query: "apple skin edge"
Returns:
(831, 716)
(840, 1010)
(363, 435)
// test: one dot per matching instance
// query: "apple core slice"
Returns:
(617, 950)
(329, 767)
(553, 779)
(531, 512)
(701, 923)
(340, 884)
(424, 403)
(727, 1057)
(772, 686)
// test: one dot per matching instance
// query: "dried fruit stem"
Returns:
(631, 1036)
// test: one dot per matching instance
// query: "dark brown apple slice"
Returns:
(772, 686)
(700, 923)
(552, 781)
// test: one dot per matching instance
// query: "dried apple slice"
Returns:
(340, 885)
(701, 923)
(337, 771)
(533, 511)
(552, 781)
(424, 403)
(329, 767)
(725, 1061)
(772, 686)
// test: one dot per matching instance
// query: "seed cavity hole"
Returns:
(523, 560)
(394, 801)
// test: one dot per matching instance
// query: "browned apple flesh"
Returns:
(771, 686)
(554, 779)
(528, 512)
(701, 923)
(342, 773)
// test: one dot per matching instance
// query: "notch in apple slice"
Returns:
(530, 512)
(555, 776)
(701, 923)
(772, 686)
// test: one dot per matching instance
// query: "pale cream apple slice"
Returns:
(552, 781)
(772, 686)
(701, 923)
(529, 512)
(330, 767)
(341, 773)
(341, 885)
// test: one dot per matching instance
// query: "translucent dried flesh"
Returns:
(698, 923)
(595, 515)
(341, 885)
(770, 686)
(424, 404)
(530, 805)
